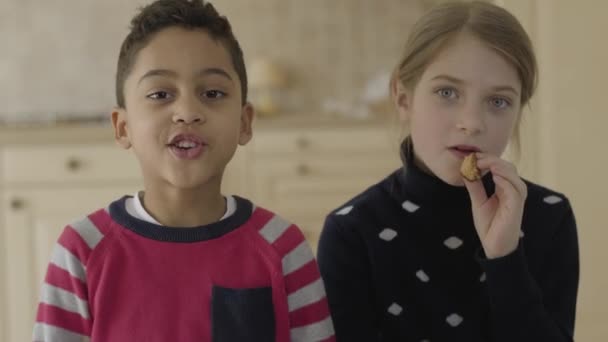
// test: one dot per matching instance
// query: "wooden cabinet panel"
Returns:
(40, 164)
(298, 173)
(33, 220)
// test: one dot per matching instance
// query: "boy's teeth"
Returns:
(186, 144)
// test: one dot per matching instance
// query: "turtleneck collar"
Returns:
(417, 185)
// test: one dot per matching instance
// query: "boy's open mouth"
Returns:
(186, 146)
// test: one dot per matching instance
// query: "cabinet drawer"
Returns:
(324, 141)
(376, 165)
(68, 163)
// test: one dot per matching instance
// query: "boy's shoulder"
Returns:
(285, 238)
(80, 239)
(272, 226)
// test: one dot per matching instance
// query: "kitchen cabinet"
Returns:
(50, 177)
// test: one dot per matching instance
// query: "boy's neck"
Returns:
(184, 208)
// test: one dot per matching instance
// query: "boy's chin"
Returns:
(189, 183)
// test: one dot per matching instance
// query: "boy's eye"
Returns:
(159, 95)
(499, 102)
(214, 94)
(446, 93)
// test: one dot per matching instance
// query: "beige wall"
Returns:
(60, 55)
(567, 135)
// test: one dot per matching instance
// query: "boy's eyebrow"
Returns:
(215, 71)
(173, 74)
(459, 81)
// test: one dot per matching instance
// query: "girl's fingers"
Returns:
(510, 175)
(503, 168)
(504, 188)
(477, 193)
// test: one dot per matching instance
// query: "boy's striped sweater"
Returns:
(250, 277)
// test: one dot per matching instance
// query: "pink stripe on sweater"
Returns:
(61, 278)
(290, 239)
(102, 220)
(67, 320)
(73, 242)
(305, 275)
(260, 217)
(309, 314)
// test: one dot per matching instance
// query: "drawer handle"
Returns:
(17, 203)
(303, 143)
(73, 164)
(303, 170)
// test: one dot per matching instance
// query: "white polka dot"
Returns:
(387, 234)
(483, 277)
(345, 210)
(422, 276)
(395, 309)
(410, 207)
(552, 199)
(452, 242)
(454, 320)
(521, 234)
(425, 340)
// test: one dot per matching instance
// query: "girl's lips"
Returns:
(461, 151)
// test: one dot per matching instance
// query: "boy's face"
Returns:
(184, 115)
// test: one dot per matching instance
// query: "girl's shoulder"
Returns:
(546, 211)
(541, 197)
(372, 205)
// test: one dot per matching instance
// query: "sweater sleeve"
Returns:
(63, 311)
(309, 317)
(526, 309)
(347, 275)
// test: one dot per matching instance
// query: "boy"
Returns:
(179, 261)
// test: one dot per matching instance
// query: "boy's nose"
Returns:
(188, 112)
(187, 119)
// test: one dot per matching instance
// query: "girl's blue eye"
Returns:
(446, 93)
(500, 103)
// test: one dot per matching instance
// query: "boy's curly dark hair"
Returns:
(189, 14)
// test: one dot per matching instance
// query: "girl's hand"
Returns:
(498, 218)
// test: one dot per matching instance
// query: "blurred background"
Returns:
(318, 76)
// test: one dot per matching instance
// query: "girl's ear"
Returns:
(402, 99)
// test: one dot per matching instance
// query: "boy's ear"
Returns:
(402, 98)
(119, 122)
(247, 116)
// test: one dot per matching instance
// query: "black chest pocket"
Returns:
(242, 315)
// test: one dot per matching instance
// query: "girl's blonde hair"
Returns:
(491, 24)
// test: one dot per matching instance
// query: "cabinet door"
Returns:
(304, 190)
(32, 222)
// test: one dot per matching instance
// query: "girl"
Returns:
(426, 255)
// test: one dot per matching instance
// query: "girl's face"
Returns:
(467, 100)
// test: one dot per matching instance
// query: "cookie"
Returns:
(469, 169)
